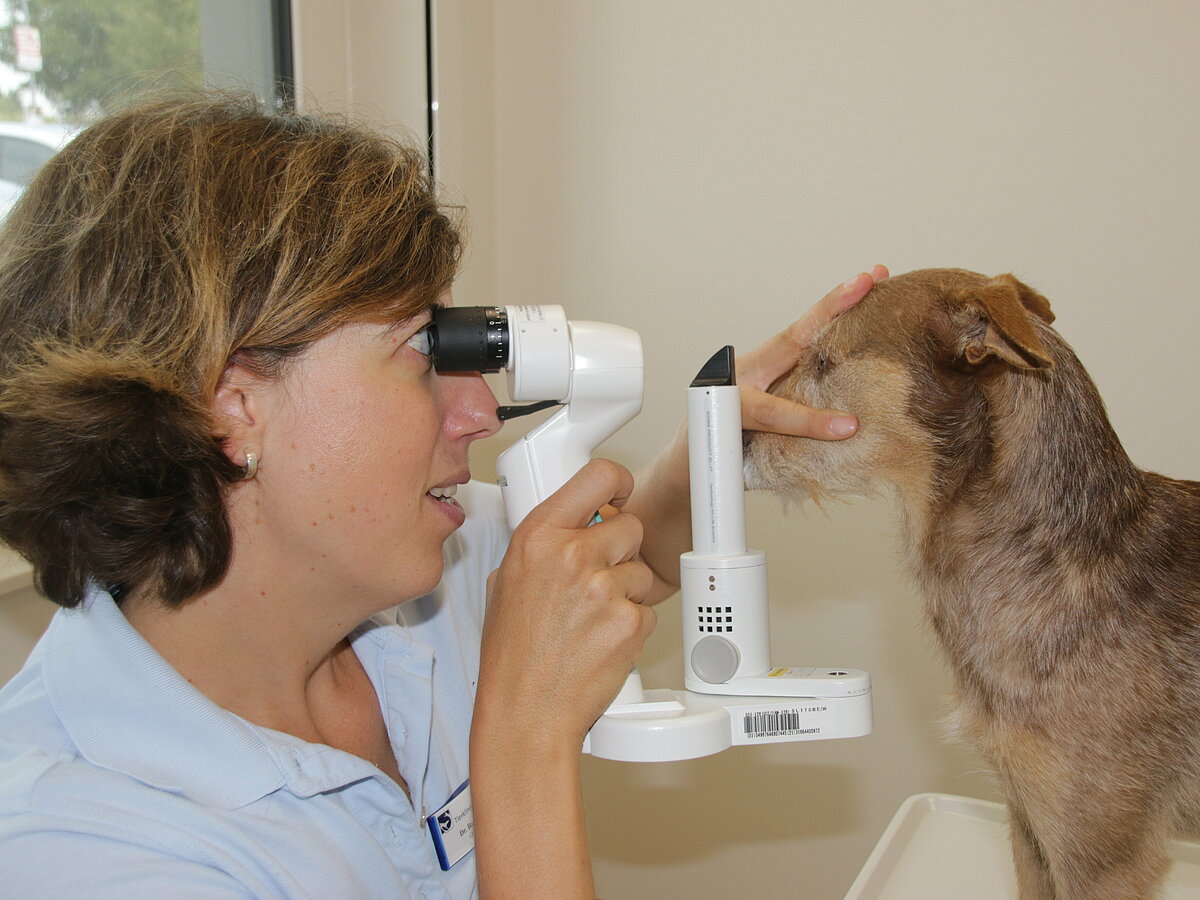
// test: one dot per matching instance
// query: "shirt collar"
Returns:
(128, 710)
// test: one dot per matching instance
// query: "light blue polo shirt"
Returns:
(119, 779)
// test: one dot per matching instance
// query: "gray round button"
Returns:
(715, 659)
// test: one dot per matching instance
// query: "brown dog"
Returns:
(1062, 582)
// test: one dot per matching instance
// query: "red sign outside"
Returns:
(28, 44)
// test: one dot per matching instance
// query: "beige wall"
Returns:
(702, 171)
(364, 57)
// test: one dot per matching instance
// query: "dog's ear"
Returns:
(1008, 307)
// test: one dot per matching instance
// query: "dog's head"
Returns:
(913, 360)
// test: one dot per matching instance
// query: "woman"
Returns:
(225, 452)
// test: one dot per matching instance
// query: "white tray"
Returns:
(941, 847)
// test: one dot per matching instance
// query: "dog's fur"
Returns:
(1062, 582)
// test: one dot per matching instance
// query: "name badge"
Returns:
(452, 828)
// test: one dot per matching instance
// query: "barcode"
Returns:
(773, 723)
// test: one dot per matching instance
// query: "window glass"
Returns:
(65, 62)
(20, 158)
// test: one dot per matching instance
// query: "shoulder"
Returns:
(79, 830)
(51, 859)
(33, 741)
(63, 821)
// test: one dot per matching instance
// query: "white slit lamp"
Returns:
(734, 694)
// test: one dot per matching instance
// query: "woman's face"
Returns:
(359, 438)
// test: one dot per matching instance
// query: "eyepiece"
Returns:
(469, 339)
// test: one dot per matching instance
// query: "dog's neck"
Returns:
(1043, 458)
(1029, 496)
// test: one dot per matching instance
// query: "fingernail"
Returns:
(843, 426)
(849, 284)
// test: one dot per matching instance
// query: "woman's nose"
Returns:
(470, 405)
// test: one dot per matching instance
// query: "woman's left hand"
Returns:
(763, 366)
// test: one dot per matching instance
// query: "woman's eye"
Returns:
(420, 341)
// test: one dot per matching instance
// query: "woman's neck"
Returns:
(266, 663)
(256, 656)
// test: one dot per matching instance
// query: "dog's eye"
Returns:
(822, 362)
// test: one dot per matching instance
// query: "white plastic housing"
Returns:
(715, 459)
(604, 374)
(539, 353)
(596, 370)
(685, 725)
(726, 625)
(724, 609)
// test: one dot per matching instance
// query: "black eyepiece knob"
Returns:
(469, 339)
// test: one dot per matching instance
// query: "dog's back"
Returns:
(1062, 581)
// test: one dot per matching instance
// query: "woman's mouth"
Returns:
(445, 494)
(444, 497)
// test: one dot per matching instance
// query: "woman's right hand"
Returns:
(565, 622)
(564, 625)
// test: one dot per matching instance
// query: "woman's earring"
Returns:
(251, 465)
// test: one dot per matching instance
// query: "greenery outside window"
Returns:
(93, 53)
(65, 62)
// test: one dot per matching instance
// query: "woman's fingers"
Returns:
(762, 366)
(766, 412)
(766, 364)
(598, 484)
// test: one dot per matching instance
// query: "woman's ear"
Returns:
(238, 411)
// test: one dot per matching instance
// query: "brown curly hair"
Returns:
(162, 243)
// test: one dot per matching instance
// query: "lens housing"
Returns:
(469, 339)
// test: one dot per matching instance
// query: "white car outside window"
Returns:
(24, 148)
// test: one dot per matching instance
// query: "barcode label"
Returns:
(771, 723)
(780, 723)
